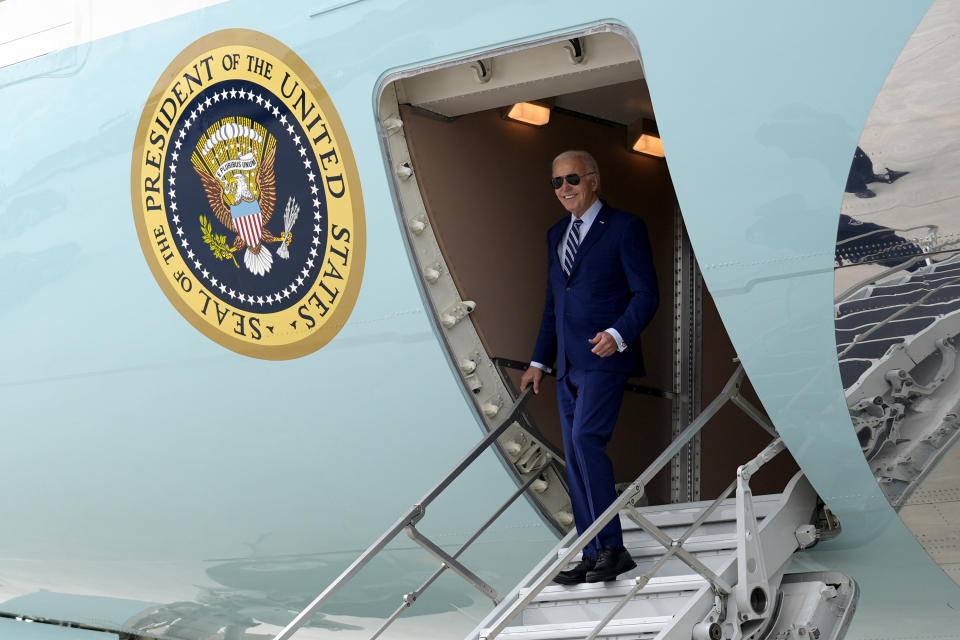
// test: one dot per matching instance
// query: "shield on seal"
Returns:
(248, 222)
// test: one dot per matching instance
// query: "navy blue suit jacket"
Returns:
(612, 284)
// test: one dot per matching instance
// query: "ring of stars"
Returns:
(193, 258)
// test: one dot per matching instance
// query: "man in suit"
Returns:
(601, 293)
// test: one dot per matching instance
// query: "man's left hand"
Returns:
(603, 344)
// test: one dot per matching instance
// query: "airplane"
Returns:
(304, 268)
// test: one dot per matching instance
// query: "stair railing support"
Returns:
(409, 598)
(753, 582)
(752, 601)
(452, 563)
(412, 517)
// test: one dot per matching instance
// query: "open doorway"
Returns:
(472, 187)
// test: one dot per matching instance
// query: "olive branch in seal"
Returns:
(217, 243)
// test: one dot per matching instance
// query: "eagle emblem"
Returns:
(234, 158)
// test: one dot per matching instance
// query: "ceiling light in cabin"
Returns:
(643, 137)
(535, 113)
(650, 145)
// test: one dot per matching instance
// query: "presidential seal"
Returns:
(246, 197)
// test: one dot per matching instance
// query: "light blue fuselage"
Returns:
(146, 464)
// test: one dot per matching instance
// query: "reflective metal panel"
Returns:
(897, 277)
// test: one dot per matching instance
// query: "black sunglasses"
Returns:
(572, 179)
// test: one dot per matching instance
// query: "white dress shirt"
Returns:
(588, 217)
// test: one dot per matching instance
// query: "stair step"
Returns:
(649, 547)
(616, 588)
(685, 513)
(715, 560)
(635, 628)
(675, 531)
(646, 547)
(706, 532)
(663, 596)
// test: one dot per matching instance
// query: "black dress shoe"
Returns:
(577, 575)
(611, 562)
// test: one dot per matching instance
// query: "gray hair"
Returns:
(588, 160)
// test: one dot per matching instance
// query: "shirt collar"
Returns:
(589, 215)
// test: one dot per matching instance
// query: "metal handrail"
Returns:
(675, 547)
(410, 598)
(629, 498)
(407, 522)
(632, 387)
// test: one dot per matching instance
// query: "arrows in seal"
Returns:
(289, 219)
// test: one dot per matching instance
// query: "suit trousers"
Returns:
(589, 403)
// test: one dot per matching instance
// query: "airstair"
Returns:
(705, 570)
(666, 598)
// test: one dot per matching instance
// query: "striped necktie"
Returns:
(573, 243)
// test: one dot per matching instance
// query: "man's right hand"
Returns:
(533, 375)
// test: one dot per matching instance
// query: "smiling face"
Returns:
(576, 199)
